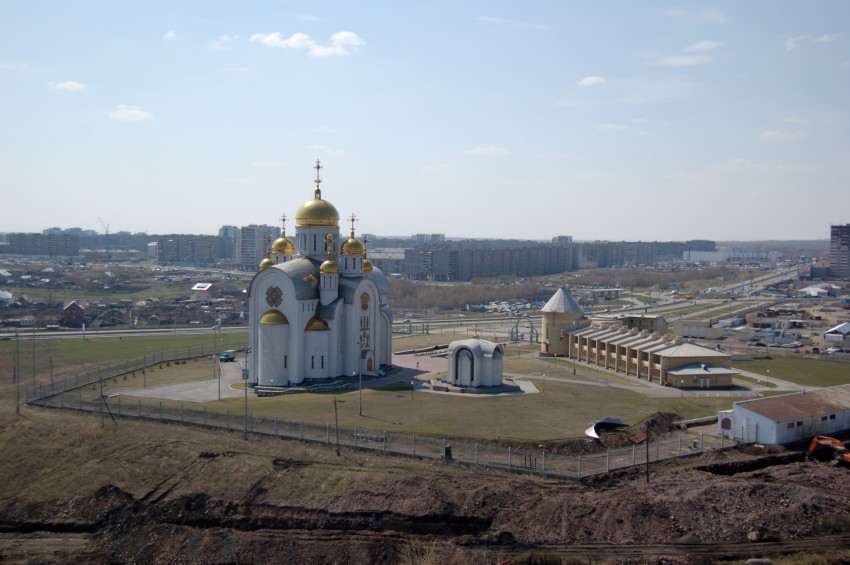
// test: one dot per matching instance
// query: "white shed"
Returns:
(475, 363)
(788, 418)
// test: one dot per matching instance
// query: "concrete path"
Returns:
(197, 391)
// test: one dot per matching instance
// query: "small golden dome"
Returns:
(329, 267)
(274, 317)
(266, 263)
(367, 266)
(352, 247)
(283, 246)
(316, 325)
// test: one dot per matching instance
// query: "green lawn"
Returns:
(812, 372)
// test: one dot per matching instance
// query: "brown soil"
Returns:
(74, 492)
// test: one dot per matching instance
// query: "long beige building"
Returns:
(657, 358)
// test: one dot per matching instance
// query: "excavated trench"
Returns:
(735, 467)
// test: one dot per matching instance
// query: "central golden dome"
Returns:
(317, 213)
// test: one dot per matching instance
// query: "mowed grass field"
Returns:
(561, 410)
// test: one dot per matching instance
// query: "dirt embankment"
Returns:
(159, 494)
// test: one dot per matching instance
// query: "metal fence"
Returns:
(488, 455)
(62, 383)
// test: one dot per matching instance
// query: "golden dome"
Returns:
(317, 213)
(367, 266)
(317, 325)
(329, 267)
(274, 317)
(352, 247)
(266, 263)
(283, 246)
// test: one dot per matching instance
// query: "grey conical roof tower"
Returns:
(562, 301)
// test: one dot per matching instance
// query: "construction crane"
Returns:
(106, 228)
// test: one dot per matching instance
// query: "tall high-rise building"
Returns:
(251, 242)
(839, 252)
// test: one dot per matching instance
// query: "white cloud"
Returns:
(608, 127)
(591, 81)
(508, 23)
(341, 43)
(684, 60)
(222, 43)
(489, 150)
(67, 85)
(827, 38)
(327, 150)
(701, 46)
(791, 43)
(170, 34)
(704, 17)
(782, 136)
(124, 113)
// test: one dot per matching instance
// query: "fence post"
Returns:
(509, 458)
(608, 460)
(544, 462)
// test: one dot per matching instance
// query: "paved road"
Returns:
(196, 391)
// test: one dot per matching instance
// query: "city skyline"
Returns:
(610, 121)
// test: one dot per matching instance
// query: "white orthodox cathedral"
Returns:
(317, 308)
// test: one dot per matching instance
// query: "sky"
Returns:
(609, 120)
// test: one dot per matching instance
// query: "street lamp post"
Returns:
(360, 367)
(245, 378)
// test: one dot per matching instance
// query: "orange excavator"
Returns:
(839, 450)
